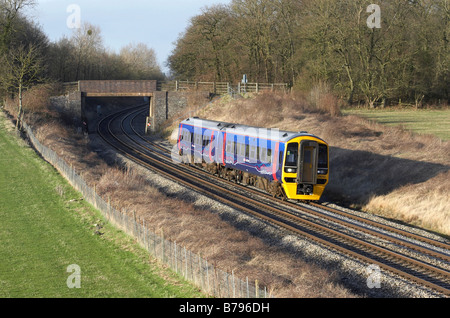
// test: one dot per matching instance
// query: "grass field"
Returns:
(422, 121)
(46, 226)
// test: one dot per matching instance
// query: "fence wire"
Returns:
(191, 266)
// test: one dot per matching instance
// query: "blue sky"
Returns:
(157, 23)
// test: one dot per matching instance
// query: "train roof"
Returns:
(251, 131)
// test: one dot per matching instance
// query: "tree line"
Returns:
(83, 56)
(28, 57)
(306, 42)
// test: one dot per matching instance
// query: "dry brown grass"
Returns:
(232, 244)
(321, 98)
(221, 243)
(206, 232)
(424, 204)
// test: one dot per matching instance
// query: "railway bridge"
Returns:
(88, 101)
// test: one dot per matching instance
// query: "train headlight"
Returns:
(322, 171)
(290, 170)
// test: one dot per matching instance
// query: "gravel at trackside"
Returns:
(355, 274)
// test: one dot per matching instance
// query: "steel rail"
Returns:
(378, 225)
(261, 210)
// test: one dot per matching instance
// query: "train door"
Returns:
(221, 147)
(308, 162)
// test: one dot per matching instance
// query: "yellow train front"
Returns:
(305, 169)
(286, 164)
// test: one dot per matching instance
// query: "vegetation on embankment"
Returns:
(209, 231)
(47, 226)
(384, 170)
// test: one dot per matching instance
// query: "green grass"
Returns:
(45, 226)
(422, 121)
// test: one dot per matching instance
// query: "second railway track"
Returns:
(432, 270)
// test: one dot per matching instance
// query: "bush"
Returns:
(35, 99)
(323, 100)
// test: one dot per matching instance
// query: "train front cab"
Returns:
(306, 168)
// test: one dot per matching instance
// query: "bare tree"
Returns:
(140, 60)
(88, 44)
(23, 67)
(9, 12)
(257, 19)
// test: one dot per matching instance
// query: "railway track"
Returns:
(414, 257)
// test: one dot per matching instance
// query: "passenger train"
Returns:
(286, 164)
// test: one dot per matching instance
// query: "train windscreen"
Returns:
(323, 159)
(292, 154)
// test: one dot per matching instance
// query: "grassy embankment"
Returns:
(389, 171)
(422, 121)
(46, 226)
(422, 199)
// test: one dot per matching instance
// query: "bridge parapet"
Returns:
(111, 88)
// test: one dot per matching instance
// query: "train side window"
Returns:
(262, 154)
(227, 148)
(206, 141)
(241, 150)
(253, 153)
(187, 136)
(230, 146)
(198, 139)
(266, 155)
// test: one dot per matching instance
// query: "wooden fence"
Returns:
(218, 88)
(221, 88)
